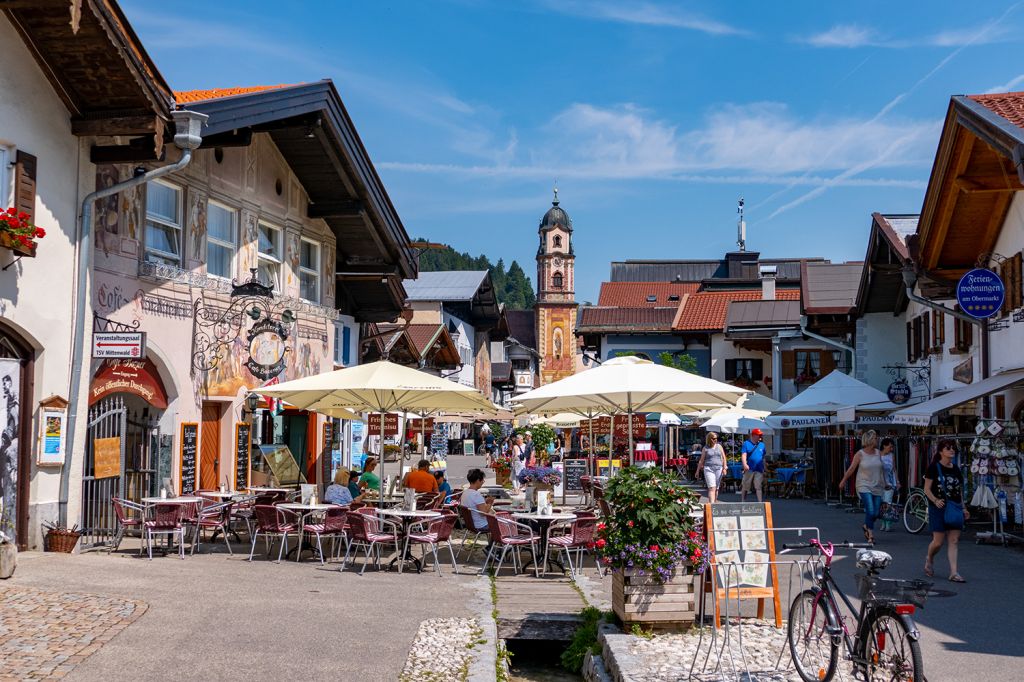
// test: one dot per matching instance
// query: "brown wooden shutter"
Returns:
(789, 364)
(25, 183)
(926, 333)
(939, 330)
(1014, 288)
(789, 439)
(827, 362)
(910, 342)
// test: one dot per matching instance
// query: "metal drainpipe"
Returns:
(187, 140)
(832, 342)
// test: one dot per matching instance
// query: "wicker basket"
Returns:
(62, 541)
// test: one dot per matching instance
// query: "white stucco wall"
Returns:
(36, 293)
(882, 340)
(466, 343)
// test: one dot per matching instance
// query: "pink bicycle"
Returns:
(884, 642)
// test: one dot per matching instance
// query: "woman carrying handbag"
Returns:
(944, 488)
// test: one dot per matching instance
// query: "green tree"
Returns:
(512, 287)
(681, 361)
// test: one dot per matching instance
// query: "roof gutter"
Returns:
(831, 342)
(187, 138)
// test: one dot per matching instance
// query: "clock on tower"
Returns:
(556, 296)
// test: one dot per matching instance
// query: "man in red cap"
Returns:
(753, 465)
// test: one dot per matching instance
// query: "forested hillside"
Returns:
(513, 287)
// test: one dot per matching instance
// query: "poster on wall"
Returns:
(356, 445)
(51, 440)
(10, 411)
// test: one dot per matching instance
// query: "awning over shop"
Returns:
(922, 413)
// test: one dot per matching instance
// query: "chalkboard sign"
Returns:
(189, 452)
(243, 436)
(325, 453)
(573, 469)
(738, 533)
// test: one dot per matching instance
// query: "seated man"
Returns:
(421, 480)
(475, 501)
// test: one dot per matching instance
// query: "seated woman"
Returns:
(443, 486)
(338, 492)
(353, 483)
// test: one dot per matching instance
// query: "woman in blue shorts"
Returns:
(944, 487)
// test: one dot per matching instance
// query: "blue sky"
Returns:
(653, 117)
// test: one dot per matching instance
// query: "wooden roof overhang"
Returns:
(313, 132)
(972, 183)
(99, 69)
(881, 283)
(441, 351)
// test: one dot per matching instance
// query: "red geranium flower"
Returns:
(600, 543)
(601, 526)
(629, 523)
(654, 548)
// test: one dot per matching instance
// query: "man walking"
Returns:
(753, 465)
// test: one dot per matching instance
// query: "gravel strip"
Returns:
(669, 657)
(442, 650)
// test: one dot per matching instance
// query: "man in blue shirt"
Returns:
(753, 465)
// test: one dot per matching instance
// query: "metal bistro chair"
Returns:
(273, 521)
(509, 534)
(438, 531)
(332, 525)
(466, 516)
(129, 515)
(166, 519)
(243, 511)
(581, 534)
(587, 484)
(215, 517)
(366, 533)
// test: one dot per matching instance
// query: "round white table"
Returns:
(262, 489)
(185, 499)
(408, 519)
(304, 511)
(544, 522)
(220, 494)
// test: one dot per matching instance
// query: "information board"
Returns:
(980, 293)
(373, 424)
(106, 457)
(739, 533)
(189, 453)
(243, 438)
(573, 470)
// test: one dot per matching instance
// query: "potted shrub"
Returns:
(17, 232)
(654, 547)
(502, 466)
(8, 548)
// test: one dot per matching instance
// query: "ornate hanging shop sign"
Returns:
(899, 391)
(267, 349)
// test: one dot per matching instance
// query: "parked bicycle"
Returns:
(884, 642)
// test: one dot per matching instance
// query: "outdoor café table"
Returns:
(790, 477)
(408, 518)
(261, 489)
(304, 511)
(736, 470)
(187, 499)
(543, 523)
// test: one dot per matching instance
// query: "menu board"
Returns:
(739, 533)
(189, 453)
(106, 457)
(243, 438)
(390, 424)
(325, 453)
(573, 469)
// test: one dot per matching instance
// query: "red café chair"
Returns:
(332, 525)
(466, 516)
(580, 536)
(273, 521)
(366, 533)
(509, 534)
(166, 519)
(215, 517)
(438, 531)
(129, 515)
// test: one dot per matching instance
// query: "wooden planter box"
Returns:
(668, 606)
(9, 242)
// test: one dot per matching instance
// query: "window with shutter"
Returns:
(910, 342)
(1014, 286)
(25, 183)
(828, 363)
(926, 333)
(938, 331)
(757, 370)
(730, 369)
(788, 364)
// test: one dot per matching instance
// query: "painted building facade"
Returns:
(556, 295)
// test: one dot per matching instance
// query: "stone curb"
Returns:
(485, 656)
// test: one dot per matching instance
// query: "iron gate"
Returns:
(138, 443)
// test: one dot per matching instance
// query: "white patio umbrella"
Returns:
(830, 395)
(562, 420)
(728, 421)
(630, 384)
(379, 387)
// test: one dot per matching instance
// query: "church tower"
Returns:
(556, 299)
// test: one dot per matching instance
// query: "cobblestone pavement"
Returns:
(44, 635)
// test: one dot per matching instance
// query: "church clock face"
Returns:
(556, 261)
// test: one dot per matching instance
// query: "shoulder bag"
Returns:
(952, 512)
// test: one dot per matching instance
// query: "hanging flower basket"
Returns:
(8, 241)
(18, 234)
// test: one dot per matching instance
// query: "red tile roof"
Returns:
(707, 310)
(1009, 105)
(599, 318)
(190, 96)
(635, 294)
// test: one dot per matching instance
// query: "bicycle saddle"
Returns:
(872, 558)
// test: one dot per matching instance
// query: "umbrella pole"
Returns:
(380, 447)
(629, 424)
(590, 443)
(611, 445)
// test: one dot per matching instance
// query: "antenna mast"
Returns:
(741, 227)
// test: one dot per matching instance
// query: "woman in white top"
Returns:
(712, 464)
(870, 482)
(518, 459)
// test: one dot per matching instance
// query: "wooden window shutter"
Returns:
(789, 364)
(25, 183)
(1015, 285)
(926, 333)
(758, 370)
(788, 439)
(730, 369)
(940, 330)
(910, 342)
(828, 363)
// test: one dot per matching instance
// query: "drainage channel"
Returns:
(535, 660)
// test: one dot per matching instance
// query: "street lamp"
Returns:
(252, 403)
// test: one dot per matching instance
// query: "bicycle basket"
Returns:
(894, 590)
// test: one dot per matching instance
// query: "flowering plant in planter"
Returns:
(650, 530)
(540, 475)
(502, 464)
(19, 229)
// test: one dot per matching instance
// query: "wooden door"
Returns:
(209, 449)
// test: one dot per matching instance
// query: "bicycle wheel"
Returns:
(891, 654)
(815, 653)
(915, 512)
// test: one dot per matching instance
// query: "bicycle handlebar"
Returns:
(808, 545)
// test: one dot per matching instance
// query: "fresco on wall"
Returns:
(329, 270)
(197, 227)
(292, 256)
(106, 215)
(247, 252)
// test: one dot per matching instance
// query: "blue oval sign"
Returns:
(980, 293)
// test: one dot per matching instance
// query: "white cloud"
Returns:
(854, 35)
(843, 35)
(1008, 86)
(645, 13)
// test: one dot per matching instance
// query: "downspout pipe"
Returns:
(187, 123)
(830, 342)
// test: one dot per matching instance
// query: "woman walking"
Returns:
(518, 459)
(712, 464)
(870, 482)
(892, 485)
(944, 488)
